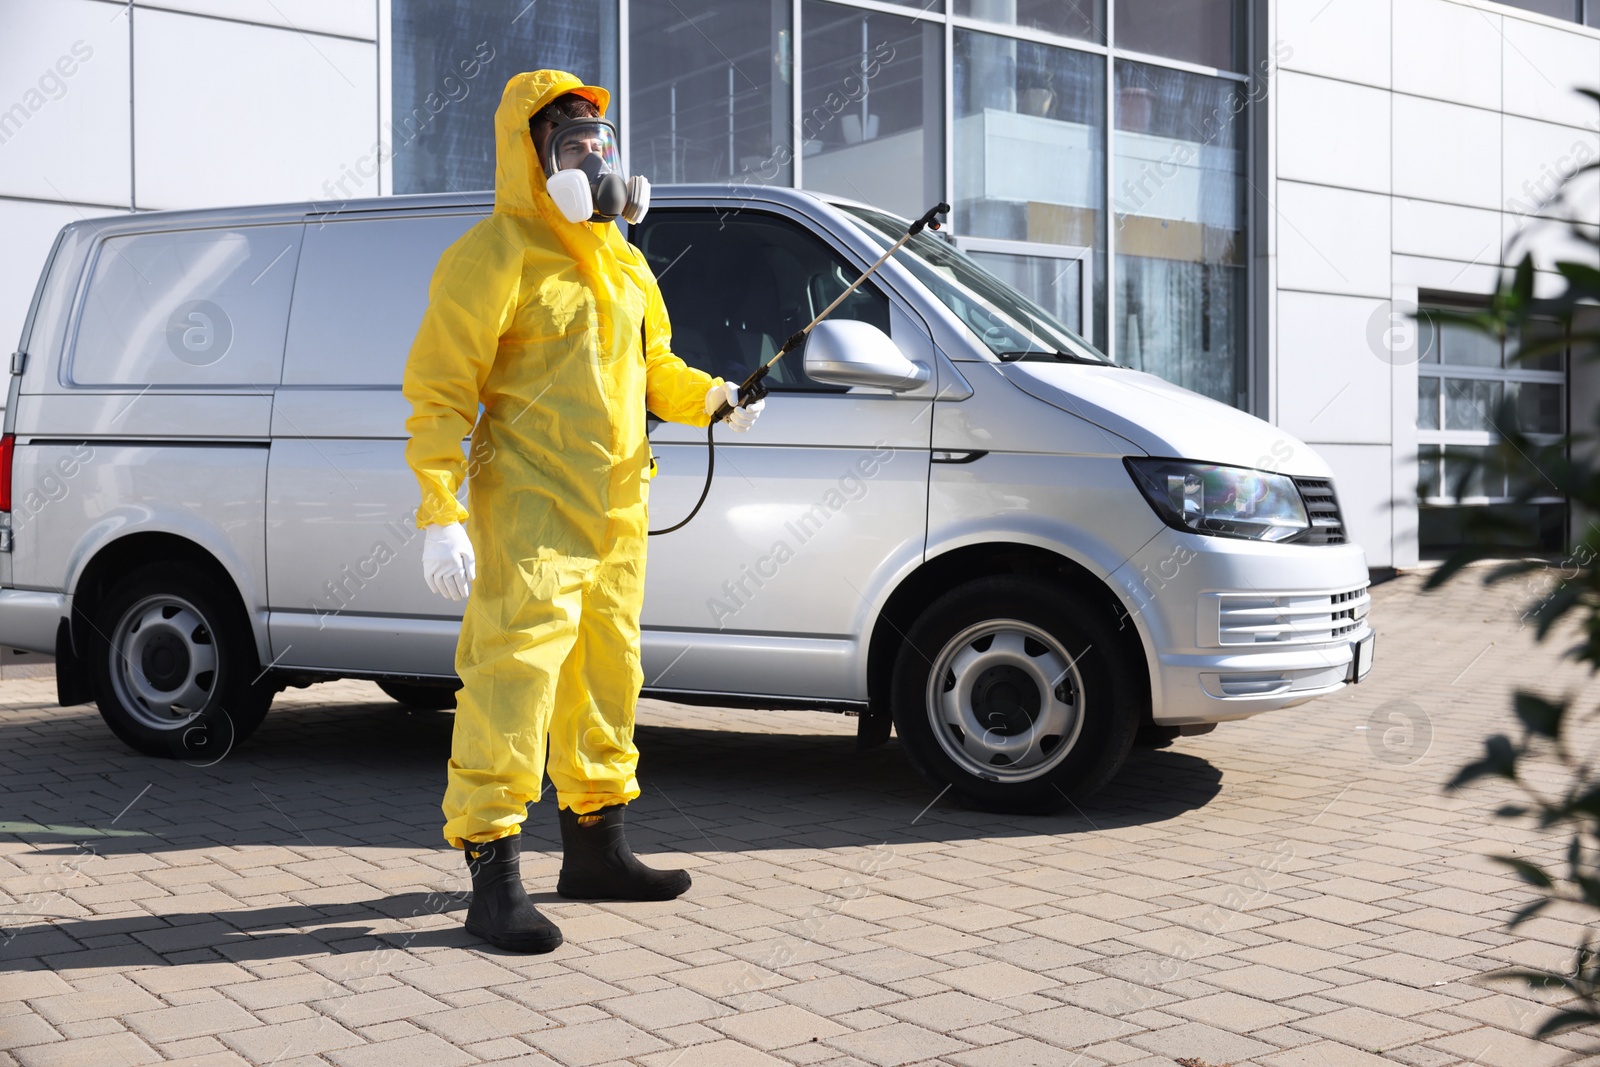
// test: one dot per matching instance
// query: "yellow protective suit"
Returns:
(538, 319)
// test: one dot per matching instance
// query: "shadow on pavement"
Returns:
(370, 775)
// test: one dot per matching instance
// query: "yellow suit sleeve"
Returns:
(674, 390)
(471, 300)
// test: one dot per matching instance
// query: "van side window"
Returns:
(738, 285)
(360, 295)
(187, 307)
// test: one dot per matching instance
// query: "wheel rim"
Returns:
(1005, 700)
(163, 662)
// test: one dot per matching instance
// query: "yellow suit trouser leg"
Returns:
(564, 665)
(593, 760)
(520, 627)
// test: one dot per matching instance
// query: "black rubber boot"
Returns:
(597, 864)
(501, 912)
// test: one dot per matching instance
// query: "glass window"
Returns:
(1466, 347)
(196, 307)
(710, 88)
(1207, 32)
(1556, 9)
(1179, 205)
(1466, 472)
(1470, 403)
(1084, 19)
(1427, 403)
(451, 62)
(1428, 472)
(359, 296)
(1057, 284)
(1006, 321)
(872, 107)
(738, 286)
(1545, 340)
(1029, 152)
(1538, 405)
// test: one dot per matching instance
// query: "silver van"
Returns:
(955, 518)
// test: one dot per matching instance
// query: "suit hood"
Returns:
(519, 187)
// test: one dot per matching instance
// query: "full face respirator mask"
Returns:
(583, 174)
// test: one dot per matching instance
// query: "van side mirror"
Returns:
(847, 352)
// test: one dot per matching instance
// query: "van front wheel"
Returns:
(175, 667)
(1016, 694)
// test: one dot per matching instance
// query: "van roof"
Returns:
(421, 202)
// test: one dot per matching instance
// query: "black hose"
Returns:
(711, 466)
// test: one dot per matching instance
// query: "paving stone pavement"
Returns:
(1292, 891)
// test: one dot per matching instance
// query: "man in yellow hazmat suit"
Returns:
(543, 314)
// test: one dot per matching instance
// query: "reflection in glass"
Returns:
(1466, 473)
(1029, 156)
(872, 107)
(1470, 404)
(1467, 347)
(1525, 476)
(1541, 334)
(1207, 32)
(1083, 19)
(1056, 284)
(1428, 471)
(1179, 207)
(451, 62)
(1427, 338)
(1427, 403)
(710, 90)
(1008, 323)
(739, 284)
(1538, 405)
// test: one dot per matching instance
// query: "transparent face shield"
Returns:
(573, 141)
(583, 173)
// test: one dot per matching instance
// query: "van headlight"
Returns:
(1207, 498)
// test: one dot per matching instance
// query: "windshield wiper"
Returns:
(1060, 357)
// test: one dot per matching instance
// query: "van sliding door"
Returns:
(344, 556)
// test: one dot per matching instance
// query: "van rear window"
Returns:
(188, 308)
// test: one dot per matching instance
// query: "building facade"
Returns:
(1246, 198)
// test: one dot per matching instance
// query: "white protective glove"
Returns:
(739, 419)
(448, 562)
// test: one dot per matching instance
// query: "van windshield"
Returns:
(1008, 323)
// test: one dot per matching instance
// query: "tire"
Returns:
(420, 696)
(1035, 705)
(175, 666)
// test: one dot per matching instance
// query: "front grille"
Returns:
(1345, 619)
(1322, 507)
(1288, 618)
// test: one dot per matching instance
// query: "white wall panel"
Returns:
(1363, 480)
(30, 229)
(1447, 51)
(1537, 156)
(1445, 231)
(1544, 67)
(350, 18)
(1446, 275)
(1347, 39)
(1332, 132)
(221, 122)
(64, 101)
(1332, 240)
(1446, 152)
(1550, 241)
(1332, 387)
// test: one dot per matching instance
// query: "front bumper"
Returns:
(1234, 628)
